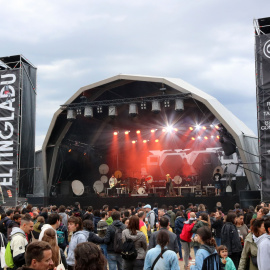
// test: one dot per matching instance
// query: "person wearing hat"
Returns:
(150, 215)
(169, 188)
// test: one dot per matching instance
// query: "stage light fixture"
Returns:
(99, 109)
(115, 133)
(71, 115)
(198, 127)
(191, 128)
(169, 128)
(193, 139)
(84, 154)
(126, 132)
(216, 126)
(199, 137)
(88, 111)
(179, 105)
(112, 111)
(212, 136)
(79, 111)
(133, 109)
(156, 140)
(69, 150)
(218, 137)
(211, 126)
(205, 137)
(143, 105)
(133, 142)
(164, 130)
(144, 141)
(156, 106)
(166, 103)
(204, 127)
(138, 131)
(153, 130)
(175, 129)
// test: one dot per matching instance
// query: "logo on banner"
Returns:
(266, 49)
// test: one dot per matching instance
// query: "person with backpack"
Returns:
(5, 222)
(16, 221)
(150, 215)
(62, 213)
(160, 257)
(54, 223)
(62, 234)
(113, 239)
(207, 257)
(134, 245)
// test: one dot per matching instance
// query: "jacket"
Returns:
(92, 237)
(250, 249)
(229, 264)
(151, 218)
(179, 224)
(96, 220)
(64, 218)
(77, 238)
(172, 218)
(143, 229)
(24, 267)
(102, 228)
(139, 241)
(217, 225)
(203, 252)
(230, 238)
(43, 229)
(18, 245)
(263, 254)
(187, 231)
(173, 243)
(109, 236)
(198, 224)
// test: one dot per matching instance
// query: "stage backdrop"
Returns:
(262, 55)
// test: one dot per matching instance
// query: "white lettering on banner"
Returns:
(7, 128)
(266, 113)
(267, 125)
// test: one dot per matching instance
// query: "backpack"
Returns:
(60, 237)
(129, 251)
(8, 256)
(117, 241)
(212, 262)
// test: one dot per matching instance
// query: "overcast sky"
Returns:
(208, 43)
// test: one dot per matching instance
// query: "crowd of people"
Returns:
(139, 238)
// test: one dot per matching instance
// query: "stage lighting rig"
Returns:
(166, 103)
(88, 111)
(71, 115)
(143, 105)
(133, 109)
(112, 111)
(179, 105)
(156, 106)
(99, 109)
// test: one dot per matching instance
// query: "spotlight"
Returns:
(216, 126)
(179, 105)
(133, 142)
(99, 109)
(205, 137)
(191, 128)
(175, 129)
(84, 154)
(138, 131)
(199, 137)
(211, 126)
(218, 137)
(143, 105)
(115, 133)
(164, 130)
(71, 115)
(198, 126)
(193, 139)
(79, 111)
(88, 111)
(204, 127)
(156, 140)
(112, 111)
(212, 136)
(166, 103)
(144, 141)
(153, 130)
(133, 109)
(69, 150)
(126, 132)
(169, 128)
(156, 106)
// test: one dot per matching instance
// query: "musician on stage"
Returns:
(168, 184)
(112, 183)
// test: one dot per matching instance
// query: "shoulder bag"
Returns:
(157, 258)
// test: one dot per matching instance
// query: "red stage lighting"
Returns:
(144, 141)
(133, 141)
(205, 137)
(204, 128)
(115, 133)
(153, 130)
(190, 128)
(193, 139)
(126, 132)
(156, 140)
(138, 131)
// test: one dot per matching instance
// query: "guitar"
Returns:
(113, 182)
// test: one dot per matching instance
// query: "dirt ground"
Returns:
(181, 263)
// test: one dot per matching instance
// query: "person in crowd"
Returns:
(150, 215)
(38, 256)
(88, 226)
(179, 224)
(155, 209)
(28, 209)
(105, 208)
(227, 263)
(89, 214)
(168, 258)
(102, 229)
(249, 254)
(185, 236)
(114, 259)
(217, 182)
(263, 244)
(62, 213)
(241, 226)
(162, 213)
(6, 221)
(57, 253)
(172, 217)
(53, 223)
(142, 225)
(201, 209)
(164, 224)
(262, 213)
(62, 228)
(37, 227)
(77, 212)
(140, 206)
(139, 239)
(249, 215)
(217, 226)
(16, 221)
(79, 236)
(237, 208)
(257, 209)
(88, 257)
(202, 221)
(208, 247)
(44, 213)
(19, 241)
(97, 218)
(230, 238)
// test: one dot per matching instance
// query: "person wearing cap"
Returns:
(150, 215)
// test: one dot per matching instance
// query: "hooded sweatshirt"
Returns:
(18, 245)
(263, 244)
(43, 229)
(139, 241)
(77, 238)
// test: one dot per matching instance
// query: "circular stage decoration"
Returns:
(104, 179)
(149, 179)
(177, 179)
(221, 171)
(118, 174)
(103, 169)
(77, 187)
(98, 186)
(141, 190)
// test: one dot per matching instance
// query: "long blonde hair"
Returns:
(50, 237)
